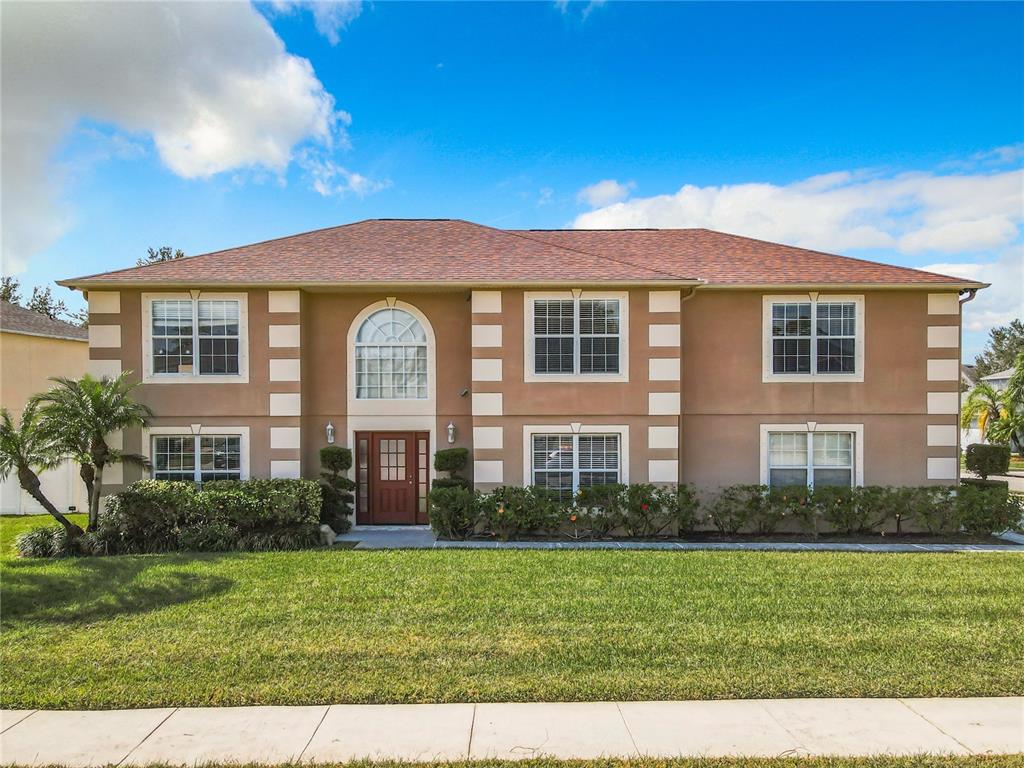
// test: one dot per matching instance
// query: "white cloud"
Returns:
(210, 83)
(850, 210)
(1003, 300)
(329, 16)
(605, 192)
(329, 179)
(546, 195)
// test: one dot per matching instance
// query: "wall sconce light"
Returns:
(330, 432)
(451, 432)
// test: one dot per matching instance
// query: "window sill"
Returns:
(812, 378)
(188, 378)
(575, 378)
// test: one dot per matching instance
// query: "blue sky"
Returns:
(884, 131)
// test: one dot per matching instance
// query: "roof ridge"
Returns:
(519, 233)
(834, 255)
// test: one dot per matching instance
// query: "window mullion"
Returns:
(577, 341)
(195, 337)
(814, 338)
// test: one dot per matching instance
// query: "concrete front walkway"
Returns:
(421, 537)
(424, 732)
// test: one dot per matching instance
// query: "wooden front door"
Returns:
(391, 478)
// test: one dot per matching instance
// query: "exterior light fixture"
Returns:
(330, 432)
(451, 432)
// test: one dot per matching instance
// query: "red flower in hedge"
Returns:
(644, 507)
(572, 518)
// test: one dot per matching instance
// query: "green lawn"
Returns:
(420, 626)
(915, 761)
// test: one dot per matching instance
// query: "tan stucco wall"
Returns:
(724, 400)
(28, 362)
(26, 365)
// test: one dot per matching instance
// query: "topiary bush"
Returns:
(984, 460)
(336, 490)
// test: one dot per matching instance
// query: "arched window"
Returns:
(391, 357)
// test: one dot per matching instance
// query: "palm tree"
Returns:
(984, 404)
(83, 413)
(24, 450)
(1009, 428)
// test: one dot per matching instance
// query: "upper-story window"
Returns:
(391, 357)
(189, 338)
(814, 338)
(570, 336)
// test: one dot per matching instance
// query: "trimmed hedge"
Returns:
(984, 460)
(646, 511)
(161, 516)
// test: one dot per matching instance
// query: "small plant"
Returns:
(681, 507)
(735, 507)
(982, 510)
(932, 507)
(452, 461)
(984, 460)
(336, 489)
(512, 511)
(453, 511)
(842, 508)
(794, 502)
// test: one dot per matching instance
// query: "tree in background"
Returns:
(85, 411)
(1008, 429)
(26, 450)
(43, 302)
(984, 403)
(163, 253)
(1005, 343)
(10, 290)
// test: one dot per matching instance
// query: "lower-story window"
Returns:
(566, 463)
(811, 459)
(197, 458)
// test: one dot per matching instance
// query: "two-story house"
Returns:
(559, 358)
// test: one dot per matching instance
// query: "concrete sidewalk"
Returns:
(421, 537)
(424, 732)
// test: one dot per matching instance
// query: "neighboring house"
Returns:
(32, 349)
(561, 358)
(999, 381)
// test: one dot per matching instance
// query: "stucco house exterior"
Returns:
(560, 358)
(34, 348)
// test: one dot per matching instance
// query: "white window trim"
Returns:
(378, 406)
(809, 429)
(529, 430)
(194, 377)
(196, 430)
(530, 297)
(767, 375)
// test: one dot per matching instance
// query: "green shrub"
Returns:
(735, 507)
(213, 536)
(512, 511)
(146, 516)
(598, 511)
(451, 459)
(982, 509)
(874, 506)
(793, 502)
(46, 541)
(450, 482)
(336, 490)
(985, 460)
(932, 508)
(681, 507)
(843, 508)
(453, 512)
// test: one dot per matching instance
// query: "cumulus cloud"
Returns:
(909, 212)
(329, 16)
(210, 83)
(605, 192)
(1003, 301)
(330, 179)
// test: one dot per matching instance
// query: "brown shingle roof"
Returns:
(455, 251)
(15, 319)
